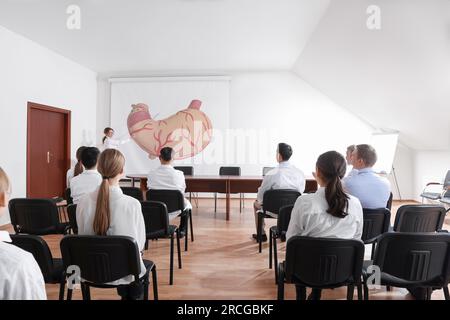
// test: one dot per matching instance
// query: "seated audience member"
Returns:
(78, 169)
(349, 158)
(107, 212)
(166, 177)
(90, 179)
(20, 275)
(372, 190)
(328, 213)
(285, 176)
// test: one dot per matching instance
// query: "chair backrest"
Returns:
(156, 218)
(40, 251)
(101, 259)
(274, 199)
(266, 170)
(34, 216)
(419, 218)
(68, 196)
(415, 257)
(389, 203)
(187, 170)
(284, 217)
(133, 192)
(72, 213)
(230, 171)
(323, 262)
(376, 222)
(173, 199)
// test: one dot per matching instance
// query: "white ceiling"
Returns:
(394, 78)
(119, 36)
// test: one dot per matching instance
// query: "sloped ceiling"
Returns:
(395, 78)
(170, 35)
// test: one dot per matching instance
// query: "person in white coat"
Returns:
(90, 179)
(20, 275)
(285, 176)
(111, 143)
(107, 211)
(329, 212)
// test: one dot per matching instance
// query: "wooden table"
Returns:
(222, 184)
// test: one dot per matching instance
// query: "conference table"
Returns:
(220, 184)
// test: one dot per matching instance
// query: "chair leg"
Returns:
(187, 232)
(259, 233)
(146, 245)
(191, 225)
(215, 202)
(243, 200)
(388, 288)
(62, 287)
(280, 282)
(373, 251)
(179, 249)
(155, 283)
(171, 261)
(146, 286)
(429, 293)
(275, 257)
(360, 293)
(69, 294)
(366, 291)
(446, 293)
(270, 248)
(86, 292)
(350, 291)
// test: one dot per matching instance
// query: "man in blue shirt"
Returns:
(372, 190)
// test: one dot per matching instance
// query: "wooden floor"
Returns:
(222, 263)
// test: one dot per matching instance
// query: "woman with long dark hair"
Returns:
(77, 169)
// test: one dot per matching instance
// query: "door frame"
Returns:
(67, 131)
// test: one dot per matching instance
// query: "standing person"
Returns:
(90, 179)
(20, 275)
(78, 169)
(285, 176)
(109, 142)
(107, 212)
(372, 190)
(328, 213)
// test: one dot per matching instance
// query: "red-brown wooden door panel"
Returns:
(48, 150)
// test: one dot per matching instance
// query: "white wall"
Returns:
(430, 166)
(30, 72)
(404, 171)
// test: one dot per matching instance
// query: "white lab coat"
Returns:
(166, 177)
(86, 182)
(310, 218)
(20, 275)
(126, 220)
(111, 143)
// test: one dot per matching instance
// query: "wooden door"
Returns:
(48, 150)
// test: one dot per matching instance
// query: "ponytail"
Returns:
(110, 165)
(332, 167)
(79, 166)
(103, 140)
(102, 219)
(336, 197)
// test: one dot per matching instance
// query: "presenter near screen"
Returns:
(111, 143)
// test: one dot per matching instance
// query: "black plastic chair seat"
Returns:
(278, 234)
(161, 233)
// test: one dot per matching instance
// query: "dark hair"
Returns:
(79, 166)
(332, 167)
(105, 131)
(166, 154)
(367, 153)
(285, 151)
(89, 157)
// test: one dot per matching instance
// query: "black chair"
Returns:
(36, 216)
(273, 200)
(72, 213)
(436, 195)
(279, 232)
(188, 171)
(389, 203)
(376, 222)
(157, 226)
(133, 192)
(52, 269)
(104, 259)
(68, 196)
(230, 171)
(412, 260)
(174, 200)
(419, 218)
(322, 263)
